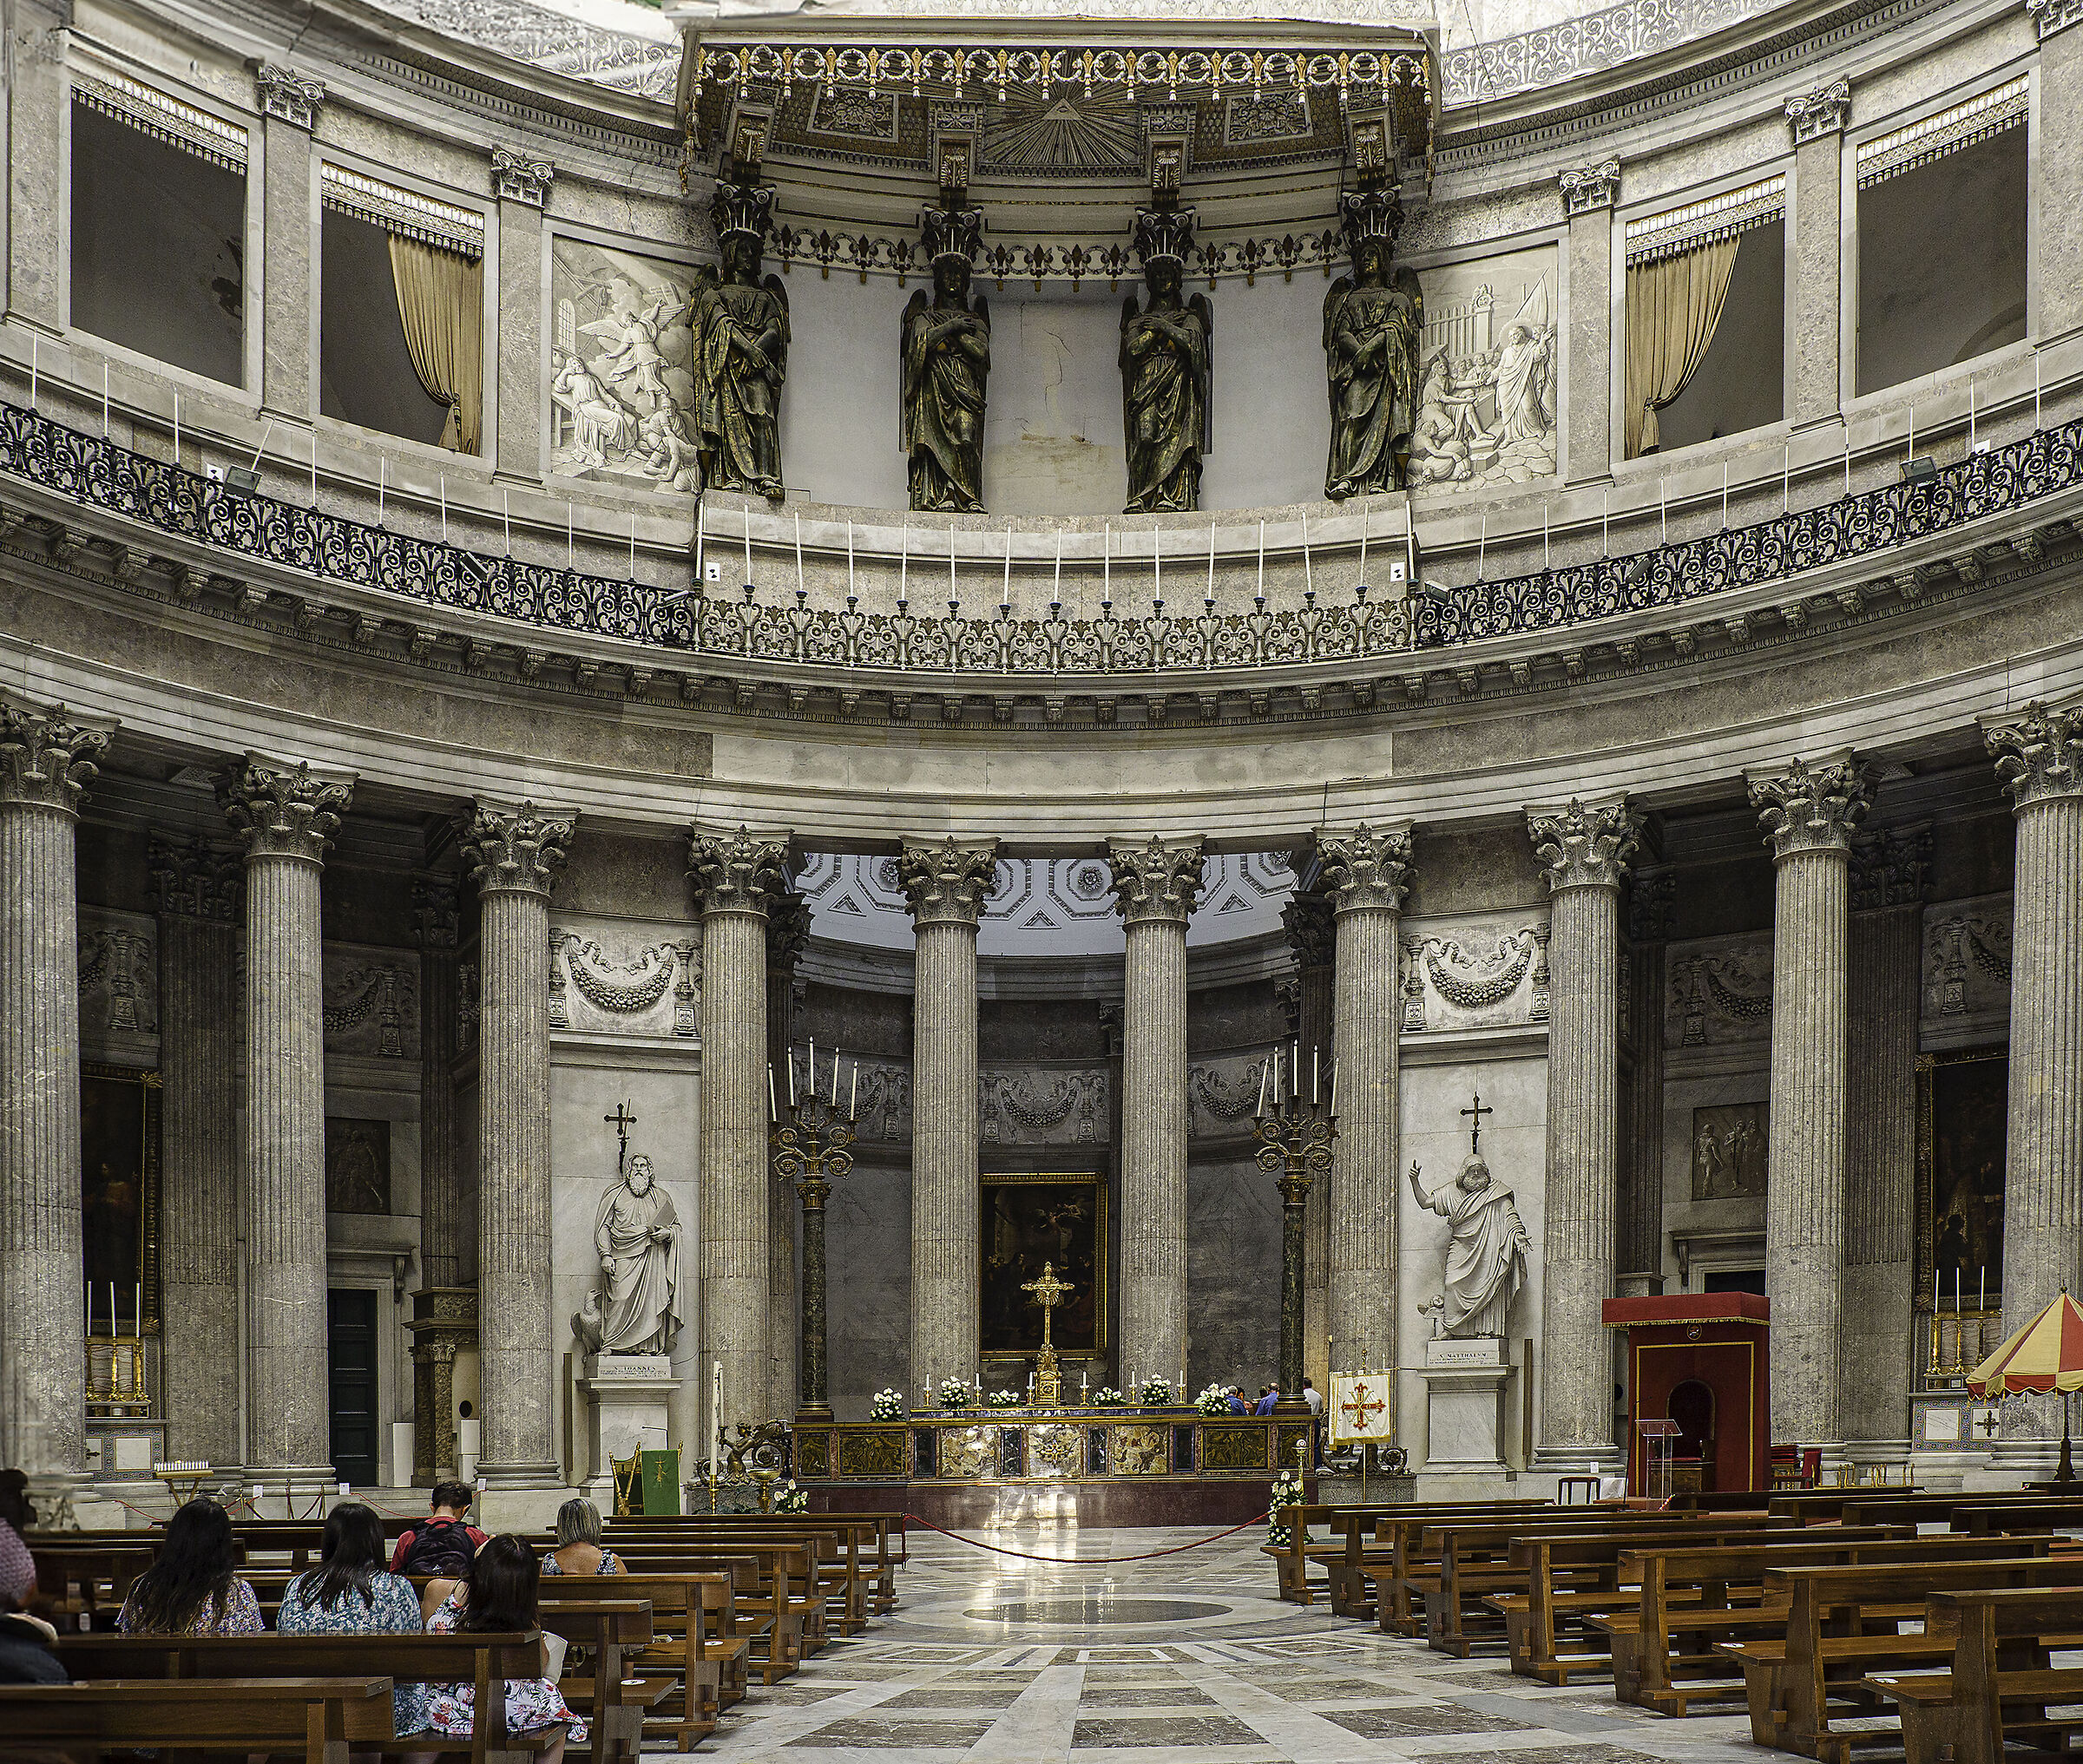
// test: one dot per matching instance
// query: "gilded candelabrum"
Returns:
(1295, 1136)
(810, 1150)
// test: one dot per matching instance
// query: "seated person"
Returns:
(499, 1593)
(579, 1549)
(192, 1588)
(1268, 1396)
(26, 1640)
(348, 1594)
(445, 1541)
(1238, 1405)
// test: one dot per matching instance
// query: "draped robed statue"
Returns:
(1487, 1251)
(1168, 367)
(1374, 327)
(740, 350)
(634, 1307)
(947, 359)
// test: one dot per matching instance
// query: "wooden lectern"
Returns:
(1698, 1359)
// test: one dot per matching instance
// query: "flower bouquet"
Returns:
(1214, 1400)
(955, 1395)
(1287, 1492)
(889, 1406)
(1107, 1397)
(1156, 1393)
(1004, 1400)
(788, 1499)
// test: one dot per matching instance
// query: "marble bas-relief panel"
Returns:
(1967, 966)
(1435, 1138)
(1712, 1229)
(1039, 1105)
(119, 973)
(1489, 372)
(624, 979)
(1718, 991)
(372, 996)
(1728, 1151)
(622, 386)
(1486, 972)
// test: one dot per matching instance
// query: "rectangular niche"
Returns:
(621, 384)
(1489, 371)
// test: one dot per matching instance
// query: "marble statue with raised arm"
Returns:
(1487, 1251)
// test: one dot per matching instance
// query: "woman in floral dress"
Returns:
(192, 1588)
(348, 1594)
(499, 1594)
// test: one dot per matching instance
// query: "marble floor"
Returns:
(989, 1658)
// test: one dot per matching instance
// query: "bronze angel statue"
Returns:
(947, 360)
(1167, 371)
(740, 350)
(1374, 328)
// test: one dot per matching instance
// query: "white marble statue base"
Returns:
(627, 1395)
(1464, 1405)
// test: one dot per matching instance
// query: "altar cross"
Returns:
(1049, 1292)
(1481, 1109)
(624, 1119)
(1360, 1409)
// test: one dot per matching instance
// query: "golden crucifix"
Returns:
(1049, 1292)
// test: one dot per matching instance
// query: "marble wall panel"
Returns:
(615, 873)
(119, 976)
(1734, 1220)
(868, 1237)
(1476, 870)
(1233, 1277)
(1967, 969)
(1718, 991)
(371, 995)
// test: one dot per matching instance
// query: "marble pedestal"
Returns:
(1464, 1405)
(627, 1396)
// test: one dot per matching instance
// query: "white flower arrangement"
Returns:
(1156, 1393)
(1287, 1492)
(1107, 1397)
(1004, 1400)
(889, 1406)
(1214, 1400)
(788, 1499)
(955, 1395)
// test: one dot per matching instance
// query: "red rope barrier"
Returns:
(1146, 1556)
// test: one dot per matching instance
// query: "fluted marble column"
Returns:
(1312, 934)
(199, 889)
(1882, 963)
(287, 814)
(1809, 813)
(1366, 873)
(787, 931)
(513, 855)
(1639, 1223)
(1584, 850)
(2040, 761)
(46, 762)
(1156, 883)
(437, 915)
(736, 875)
(947, 883)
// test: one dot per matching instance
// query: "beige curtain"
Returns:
(441, 298)
(1673, 306)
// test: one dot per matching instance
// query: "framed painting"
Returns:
(1962, 1109)
(1028, 1220)
(119, 1189)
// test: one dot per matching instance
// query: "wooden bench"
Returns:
(695, 1655)
(882, 1532)
(326, 1717)
(835, 1576)
(1997, 1684)
(1356, 1528)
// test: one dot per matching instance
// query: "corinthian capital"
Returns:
(1811, 808)
(1366, 868)
(1584, 848)
(2039, 757)
(787, 931)
(46, 759)
(739, 872)
(1310, 933)
(283, 811)
(436, 909)
(1159, 879)
(947, 883)
(192, 879)
(515, 851)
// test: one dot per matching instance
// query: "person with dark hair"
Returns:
(499, 1593)
(26, 1640)
(192, 1588)
(348, 1594)
(579, 1548)
(443, 1542)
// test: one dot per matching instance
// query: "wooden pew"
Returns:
(87, 1581)
(326, 1717)
(1842, 1626)
(836, 1576)
(1395, 1570)
(1997, 1684)
(611, 1631)
(695, 1653)
(883, 1532)
(779, 1605)
(1349, 1528)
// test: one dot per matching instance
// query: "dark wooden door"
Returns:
(351, 1356)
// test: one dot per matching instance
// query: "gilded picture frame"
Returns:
(1962, 1118)
(1026, 1218)
(120, 1188)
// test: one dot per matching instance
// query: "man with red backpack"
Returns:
(443, 1543)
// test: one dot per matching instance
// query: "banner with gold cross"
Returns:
(1362, 1409)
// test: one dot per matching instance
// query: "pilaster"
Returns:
(521, 183)
(437, 915)
(289, 106)
(33, 104)
(1639, 1224)
(1588, 196)
(1816, 238)
(1312, 935)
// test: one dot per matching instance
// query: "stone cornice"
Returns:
(1811, 808)
(517, 850)
(47, 759)
(947, 881)
(2038, 755)
(284, 808)
(1581, 847)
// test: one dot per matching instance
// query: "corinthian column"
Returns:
(1809, 813)
(1584, 851)
(736, 875)
(787, 931)
(1155, 885)
(514, 855)
(947, 884)
(287, 814)
(1311, 933)
(46, 762)
(1366, 872)
(1638, 1230)
(198, 890)
(2039, 762)
(437, 916)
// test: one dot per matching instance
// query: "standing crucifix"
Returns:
(624, 1119)
(1049, 1292)
(1475, 1121)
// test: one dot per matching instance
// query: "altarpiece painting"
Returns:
(1962, 1108)
(1029, 1220)
(119, 1188)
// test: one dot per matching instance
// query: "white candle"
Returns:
(853, 1091)
(849, 559)
(1315, 1074)
(812, 1070)
(89, 1306)
(715, 1404)
(138, 1308)
(773, 1113)
(701, 514)
(1262, 559)
(1334, 1090)
(798, 548)
(1005, 586)
(791, 1080)
(1263, 1066)
(748, 545)
(1981, 1298)
(1107, 563)
(835, 1077)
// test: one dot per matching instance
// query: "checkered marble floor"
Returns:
(1004, 1662)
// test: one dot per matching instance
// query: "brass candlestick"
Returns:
(1295, 1139)
(810, 1150)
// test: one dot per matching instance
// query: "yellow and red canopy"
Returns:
(2046, 1354)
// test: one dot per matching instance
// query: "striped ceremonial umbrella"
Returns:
(2046, 1354)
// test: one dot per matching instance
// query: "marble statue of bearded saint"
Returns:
(1167, 370)
(1373, 321)
(947, 357)
(1487, 1251)
(635, 1308)
(740, 361)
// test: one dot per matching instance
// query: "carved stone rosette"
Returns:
(1158, 879)
(283, 810)
(2040, 756)
(46, 759)
(1811, 808)
(1366, 867)
(515, 851)
(948, 883)
(739, 872)
(1584, 848)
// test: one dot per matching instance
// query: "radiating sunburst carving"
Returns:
(1066, 134)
